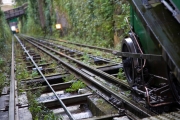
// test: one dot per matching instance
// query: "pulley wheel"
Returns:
(128, 62)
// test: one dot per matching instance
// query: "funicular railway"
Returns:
(150, 58)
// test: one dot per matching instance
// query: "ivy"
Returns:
(5, 44)
(5, 34)
(95, 22)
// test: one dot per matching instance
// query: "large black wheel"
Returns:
(129, 64)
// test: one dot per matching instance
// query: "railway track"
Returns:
(89, 76)
(107, 89)
(167, 116)
(77, 44)
(104, 64)
(13, 109)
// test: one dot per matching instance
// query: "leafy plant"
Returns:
(22, 74)
(76, 86)
(2, 81)
(38, 111)
(2, 63)
(121, 74)
(86, 58)
(68, 78)
(34, 74)
(94, 22)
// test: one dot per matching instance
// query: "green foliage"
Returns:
(5, 34)
(5, 40)
(2, 63)
(23, 74)
(2, 81)
(38, 111)
(34, 74)
(68, 78)
(95, 21)
(121, 74)
(31, 22)
(76, 86)
(20, 2)
(86, 58)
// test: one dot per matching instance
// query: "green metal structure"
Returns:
(155, 31)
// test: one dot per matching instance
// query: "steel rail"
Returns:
(115, 52)
(83, 45)
(61, 102)
(81, 53)
(91, 56)
(12, 87)
(98, 85)
(95, 71)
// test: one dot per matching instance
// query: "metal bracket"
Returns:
(35, 69)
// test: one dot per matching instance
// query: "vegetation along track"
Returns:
(113, 90)
(69, 100)
(63, 42)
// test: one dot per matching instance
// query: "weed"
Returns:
(54, 64)
(22, 74)
(86, 58)
(76, 86)
(2, 63)
(68, 78)
(2, 81)
(121, 74)
(38, 111)
(34, 74)
(42, 61)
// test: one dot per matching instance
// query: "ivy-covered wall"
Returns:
(5, 51)
(96, 22)
(5, 34)
(39, 17)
